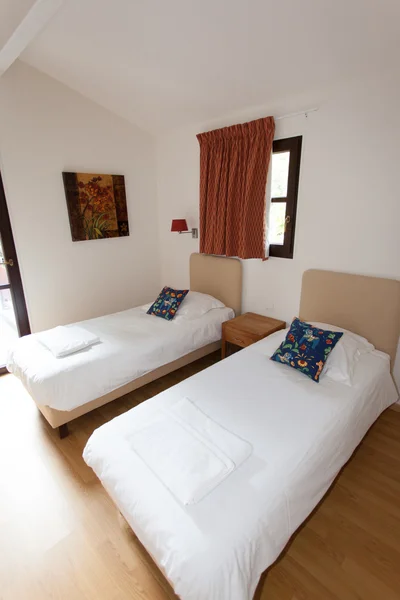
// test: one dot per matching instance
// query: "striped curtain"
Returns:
(234, 164)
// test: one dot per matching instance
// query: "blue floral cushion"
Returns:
(306, 348)
(167, 303)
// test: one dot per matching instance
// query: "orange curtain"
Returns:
(234, 164)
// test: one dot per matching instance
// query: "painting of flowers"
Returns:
(96, 206)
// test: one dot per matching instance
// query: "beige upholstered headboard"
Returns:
(368, 306)
(221, 277)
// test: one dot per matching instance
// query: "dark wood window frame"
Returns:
(292, 145)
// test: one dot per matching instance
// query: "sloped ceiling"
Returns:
(166, 63)
(11, 14)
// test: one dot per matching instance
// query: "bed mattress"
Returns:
(132, 343)
(302, 433)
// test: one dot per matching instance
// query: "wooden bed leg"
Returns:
(63, 431)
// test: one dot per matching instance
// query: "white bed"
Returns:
(132, 343)
(302, 433)
(134, 348)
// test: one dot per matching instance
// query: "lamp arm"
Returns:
(194, 232)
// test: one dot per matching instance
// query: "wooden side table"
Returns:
(248, 329)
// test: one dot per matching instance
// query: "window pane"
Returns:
(3, 270)
(277, 215)
(8, 326)
(280, 173)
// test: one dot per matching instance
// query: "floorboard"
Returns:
(61, 537)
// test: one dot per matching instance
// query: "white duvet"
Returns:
(210, 453)
(132, 343)
(301, 433)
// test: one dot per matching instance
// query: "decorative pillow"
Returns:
(306, 348)
(167, 303)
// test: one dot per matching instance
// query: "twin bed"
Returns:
(301, 434)
(134, 349)
(213, 529)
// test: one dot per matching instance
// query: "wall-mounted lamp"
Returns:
(180, 226)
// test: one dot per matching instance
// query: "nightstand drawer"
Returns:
(240, 338)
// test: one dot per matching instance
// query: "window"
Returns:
(285, 171)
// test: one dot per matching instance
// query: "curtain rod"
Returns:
(297, 114)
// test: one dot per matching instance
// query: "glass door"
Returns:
(13, 314)
(8, 324)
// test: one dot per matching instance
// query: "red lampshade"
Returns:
(179, 225)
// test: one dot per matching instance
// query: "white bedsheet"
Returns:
(132, 343)
(302, 433)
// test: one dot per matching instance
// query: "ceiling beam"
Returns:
(31, 25)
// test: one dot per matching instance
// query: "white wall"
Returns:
(46, 128)
(349, 202)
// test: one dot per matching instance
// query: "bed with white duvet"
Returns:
(129, 344)
(291, 436)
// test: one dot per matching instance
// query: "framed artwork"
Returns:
(96, 206)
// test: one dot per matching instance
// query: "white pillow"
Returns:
(196, 305)
(343, 359)
(145, 307)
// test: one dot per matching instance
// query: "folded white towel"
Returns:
(189, 452)
(62, 341)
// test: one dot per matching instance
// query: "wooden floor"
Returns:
(61, 539)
